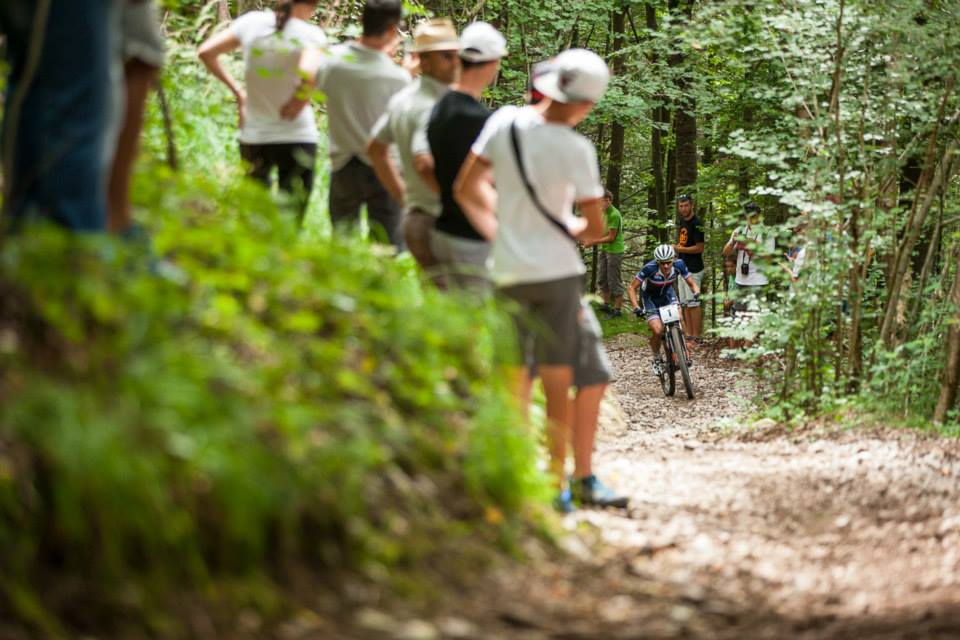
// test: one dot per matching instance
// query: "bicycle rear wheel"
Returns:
(679, 349)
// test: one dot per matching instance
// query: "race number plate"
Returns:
(670, 313)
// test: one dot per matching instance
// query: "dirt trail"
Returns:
(737, 532)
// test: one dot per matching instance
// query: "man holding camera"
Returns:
(752, 243)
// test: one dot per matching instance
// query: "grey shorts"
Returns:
(546, 319)
(461, 262)
(140, 33)
(609, 274)
(593, 365)
(686, 293)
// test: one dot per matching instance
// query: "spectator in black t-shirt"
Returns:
(689, 248)
(454, 124)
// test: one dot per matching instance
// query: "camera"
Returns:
(745, 269)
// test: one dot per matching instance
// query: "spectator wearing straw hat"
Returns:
(435, 42)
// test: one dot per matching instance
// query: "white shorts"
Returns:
(686, 293)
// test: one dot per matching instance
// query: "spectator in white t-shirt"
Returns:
(272, 44)
(357, 80)
(753, 244)
(529, 218)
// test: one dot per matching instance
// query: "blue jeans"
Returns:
(56, 117)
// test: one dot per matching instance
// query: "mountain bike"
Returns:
(677, 356)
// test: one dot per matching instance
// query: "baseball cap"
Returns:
(436, 34)
(576, 75)
(480, 42)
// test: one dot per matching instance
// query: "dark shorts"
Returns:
(354, 185)
(651, 305)
(417, 232)
(546, 319)
(294, 163)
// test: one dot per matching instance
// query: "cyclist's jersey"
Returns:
(657, 285)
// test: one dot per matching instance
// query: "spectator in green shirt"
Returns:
(611, 258)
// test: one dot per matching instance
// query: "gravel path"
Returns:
(735, 531)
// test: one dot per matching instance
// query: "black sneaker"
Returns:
(590, 491)
(615, 313)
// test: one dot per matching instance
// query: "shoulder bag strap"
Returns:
(526, 182)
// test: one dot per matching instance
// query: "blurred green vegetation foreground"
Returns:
(234, 406)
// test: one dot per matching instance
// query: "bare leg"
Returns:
(656, 327)
(139, 79)
(586, 410)
(696, 321)
(556, 386)
(522, 384)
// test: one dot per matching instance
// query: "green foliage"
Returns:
(838, 123)
(240, 399)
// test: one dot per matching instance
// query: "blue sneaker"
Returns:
(590, 491)
(564, 502)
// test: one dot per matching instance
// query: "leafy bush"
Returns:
(241, 402)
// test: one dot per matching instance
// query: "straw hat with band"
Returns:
(436, 34)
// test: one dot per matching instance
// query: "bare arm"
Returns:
(310, 63)
(424, 165)
(728, 248)
(209, 53)
(697, 248)
(386, 171)
(474, 192)
(593, 215)
(610, 237)
(693, 285)
(632, 292)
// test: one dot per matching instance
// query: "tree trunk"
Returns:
(172, 161)
(941, 174)
(684, 118)
(223, 11)
(617, 130)
(660, 122)
(951, 371)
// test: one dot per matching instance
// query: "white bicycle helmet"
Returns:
(663, 253)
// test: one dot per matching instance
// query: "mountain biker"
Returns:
(655, 281)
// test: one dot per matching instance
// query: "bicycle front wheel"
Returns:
(679, 348)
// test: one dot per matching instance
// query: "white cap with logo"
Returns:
(480, 42)
(576, 75)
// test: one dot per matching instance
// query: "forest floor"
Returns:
(734, 531)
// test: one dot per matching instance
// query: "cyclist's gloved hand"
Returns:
(637, 311)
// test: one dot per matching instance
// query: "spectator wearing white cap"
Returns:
(541, 168)
(358, 78)
(440, 146)
(436, 43)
